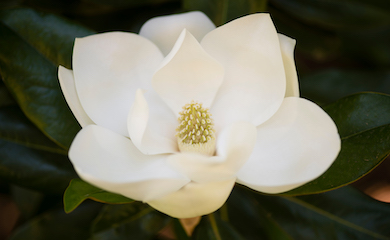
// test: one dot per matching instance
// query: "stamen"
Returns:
(195, 133)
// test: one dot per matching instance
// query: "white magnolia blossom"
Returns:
(243, 120)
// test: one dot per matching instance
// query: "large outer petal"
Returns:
(108, 69)
(254, 83)
(194, 199)
(68, 89)
(295, 146)
(287, 46)
(152, 125)
(165, 30)
(187, 73)
(234, 146)
(111, 162)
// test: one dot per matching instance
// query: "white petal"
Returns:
(194, 199)
(68, 89)
(152, 130)
(108, 69)
(295, 146)
(287, 46)
(254, 83)
(187, 73)
(165, 30)
(111, 162)
(234, 146)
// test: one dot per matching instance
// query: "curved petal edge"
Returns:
(65, 76)
(111, 162)
(194, 199)
(295, 146)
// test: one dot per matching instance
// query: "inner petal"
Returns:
(254, 84)
(151, 124)
(164, 30)
(187, 73)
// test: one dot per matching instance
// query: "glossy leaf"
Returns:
(47, 34)
(222, 11)
(126, 3)
(336, 14)
(363, 121)
(340, 214)
(56, 224)
(328, 86)
(357, 29)
(128, 221)
(32, 45)
(34, 169)
(252, 219)
(5, 97)
(78, 191)
(212, 227)
(15, 127)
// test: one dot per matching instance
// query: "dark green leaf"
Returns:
(32, 45)
(337, 14)
(46, 34)
(28, 201)
(328, 86)
(212, 227)
(312, 42)
(222, 11)
(126, 3)
(363, 121)
(58, 225)
(251, 219)
(128, 221)
(5, 96)
(34, 169)
(15, 127)
(340, 214)
(357, 29)
(78, 191)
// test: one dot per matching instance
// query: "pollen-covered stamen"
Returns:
(196, 130)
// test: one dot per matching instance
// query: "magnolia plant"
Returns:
(178, 114)
(186, 124)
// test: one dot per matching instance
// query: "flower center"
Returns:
(196, 130)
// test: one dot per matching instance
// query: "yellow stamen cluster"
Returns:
(195, 132)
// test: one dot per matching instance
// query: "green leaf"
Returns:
(128, 221)
(127, 3)
(341, 214)
(328, 86)
(212, 227)
(252, 219)
(353, 28)
(352, 15)
(47, 34)
(34, 169)
(78, 191)
(32, 45)
(58, 225)
(15, 127)
(222, 11)
(5, 96)
(363, 121)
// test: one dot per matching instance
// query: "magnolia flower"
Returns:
(178, 114)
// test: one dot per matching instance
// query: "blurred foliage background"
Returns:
(343, 47)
